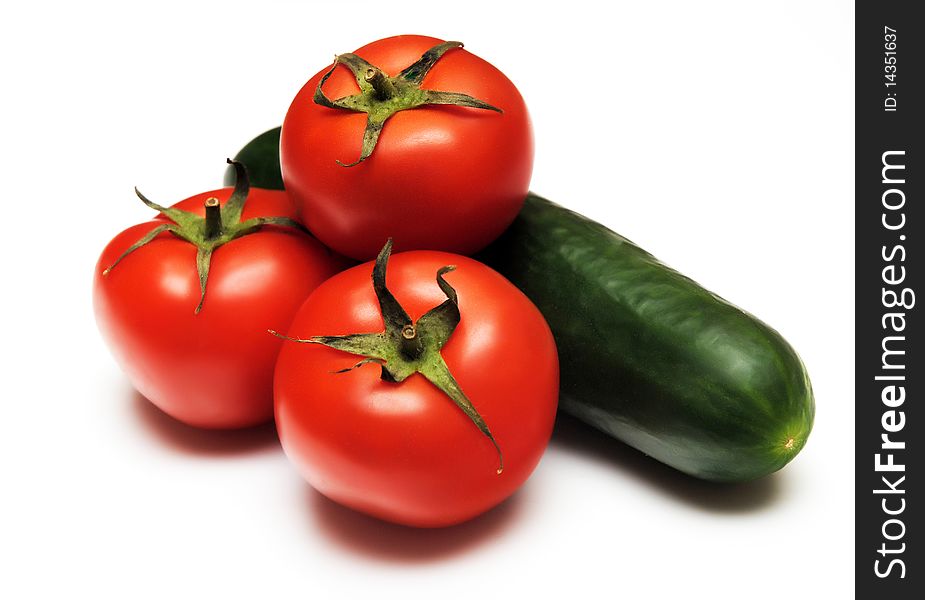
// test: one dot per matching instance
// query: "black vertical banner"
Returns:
(890, 368)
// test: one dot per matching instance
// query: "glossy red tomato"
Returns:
(213, 369)
(440, 177)
(404, 452)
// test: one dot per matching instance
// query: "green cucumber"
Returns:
(261, 157)
(650, 357)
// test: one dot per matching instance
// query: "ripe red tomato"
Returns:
(440, 177)
(213, 369)
(405, 452)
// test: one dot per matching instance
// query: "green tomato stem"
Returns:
(411, 345)
(207, 233)
(213, 225)
(382, 96)
(384, 88)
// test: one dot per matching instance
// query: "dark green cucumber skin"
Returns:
(653, 359)
(261, 158)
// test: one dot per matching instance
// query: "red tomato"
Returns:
(213, 369)
(404, 452)
(440, 177)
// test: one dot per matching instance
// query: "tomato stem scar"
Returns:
(376, 78)
(411, 346)
(213, 218)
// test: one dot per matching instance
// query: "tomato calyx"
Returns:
(382, 96)
(218, 227)
(406, 348)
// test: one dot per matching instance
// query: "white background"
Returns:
(717, 135)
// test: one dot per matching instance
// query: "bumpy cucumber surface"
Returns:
(653, 359)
